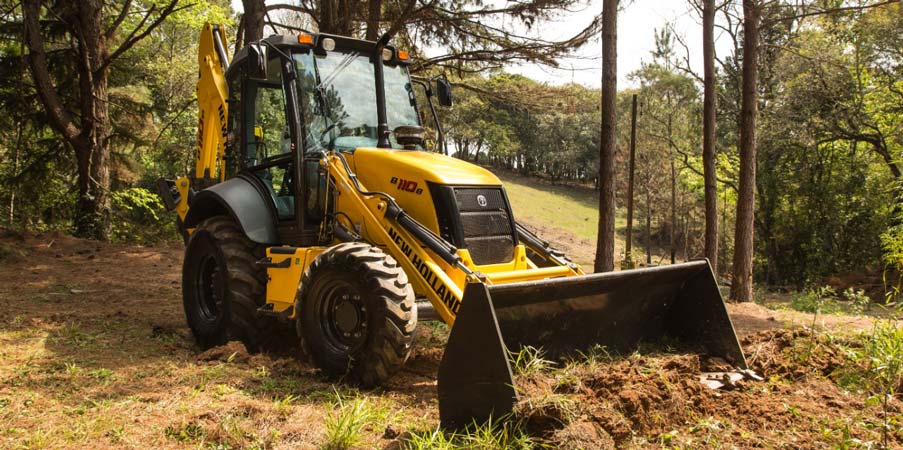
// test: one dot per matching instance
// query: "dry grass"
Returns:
(94, 353)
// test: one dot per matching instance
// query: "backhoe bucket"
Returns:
(679, 305)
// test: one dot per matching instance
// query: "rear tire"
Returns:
(356, 313)
(221, 285)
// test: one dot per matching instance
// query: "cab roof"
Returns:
(291, 42)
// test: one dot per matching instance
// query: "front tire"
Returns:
(221, 285)
(357, 315)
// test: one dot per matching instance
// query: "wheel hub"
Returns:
(347, 316)
(207, 285)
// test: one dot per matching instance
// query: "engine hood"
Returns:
(375, 167)
(407, 176)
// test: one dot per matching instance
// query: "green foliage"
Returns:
(827, 140)
(139, 216)
(882, 355)
(514, 122)
(821, 300)
(857, 300)
(883, 351)
(185, 433)
(892, 245)
(825, 300)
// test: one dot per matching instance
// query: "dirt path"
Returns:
(94, 353)
(751, 318)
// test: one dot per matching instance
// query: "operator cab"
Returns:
(313, 93)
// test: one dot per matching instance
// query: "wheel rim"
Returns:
(208, 292)
(343, 316)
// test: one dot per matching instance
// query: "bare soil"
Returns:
(653, 401)
(95, 353)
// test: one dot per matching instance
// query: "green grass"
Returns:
(569, 209)
(345, 424)
(498, 435)
(529, 361)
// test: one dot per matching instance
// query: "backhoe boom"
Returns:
(213, 112)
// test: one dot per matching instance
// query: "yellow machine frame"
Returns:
(492, 307)
(433, 278)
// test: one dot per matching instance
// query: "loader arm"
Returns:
(437, 269)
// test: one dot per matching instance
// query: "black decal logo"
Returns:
(406, 185)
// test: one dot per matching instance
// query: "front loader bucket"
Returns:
(679, 304)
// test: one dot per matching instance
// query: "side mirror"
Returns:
(257, 61)
(443, 91)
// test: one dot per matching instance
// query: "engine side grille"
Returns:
(485, 224)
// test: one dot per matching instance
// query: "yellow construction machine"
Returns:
(315, 201)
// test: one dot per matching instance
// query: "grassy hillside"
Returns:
(566, 216)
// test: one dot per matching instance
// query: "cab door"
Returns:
(269, 145)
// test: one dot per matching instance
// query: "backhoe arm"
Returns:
(212, 93)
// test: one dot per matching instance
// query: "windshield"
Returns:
(339, 90)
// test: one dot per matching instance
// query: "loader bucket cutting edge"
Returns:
(617, 310)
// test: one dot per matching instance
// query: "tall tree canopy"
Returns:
(91, 36)
(461, 35)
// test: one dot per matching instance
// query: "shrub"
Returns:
(139, 216)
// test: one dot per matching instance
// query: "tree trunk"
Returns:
(673, 227)
(723, 236)
(605, 243)
(374, 15)
(708, 133)
(742, 283)
(14, 188)
(631, 167)
(648, 225)
(87, 130)
(336, 17)
(92, 209)
(92, 217)
(252, 21)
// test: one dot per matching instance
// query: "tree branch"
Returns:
(135, 36)
(686, 160)
(60, 118)
(119, 19)
(830, 11)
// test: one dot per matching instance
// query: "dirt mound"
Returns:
(646, 401)
(582, 436)
(232, 351)
(794, 355)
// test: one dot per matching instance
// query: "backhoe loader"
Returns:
(315, 201)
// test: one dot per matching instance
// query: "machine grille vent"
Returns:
(486, 224)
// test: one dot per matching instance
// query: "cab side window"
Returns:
(269, 140)
(270, 136)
